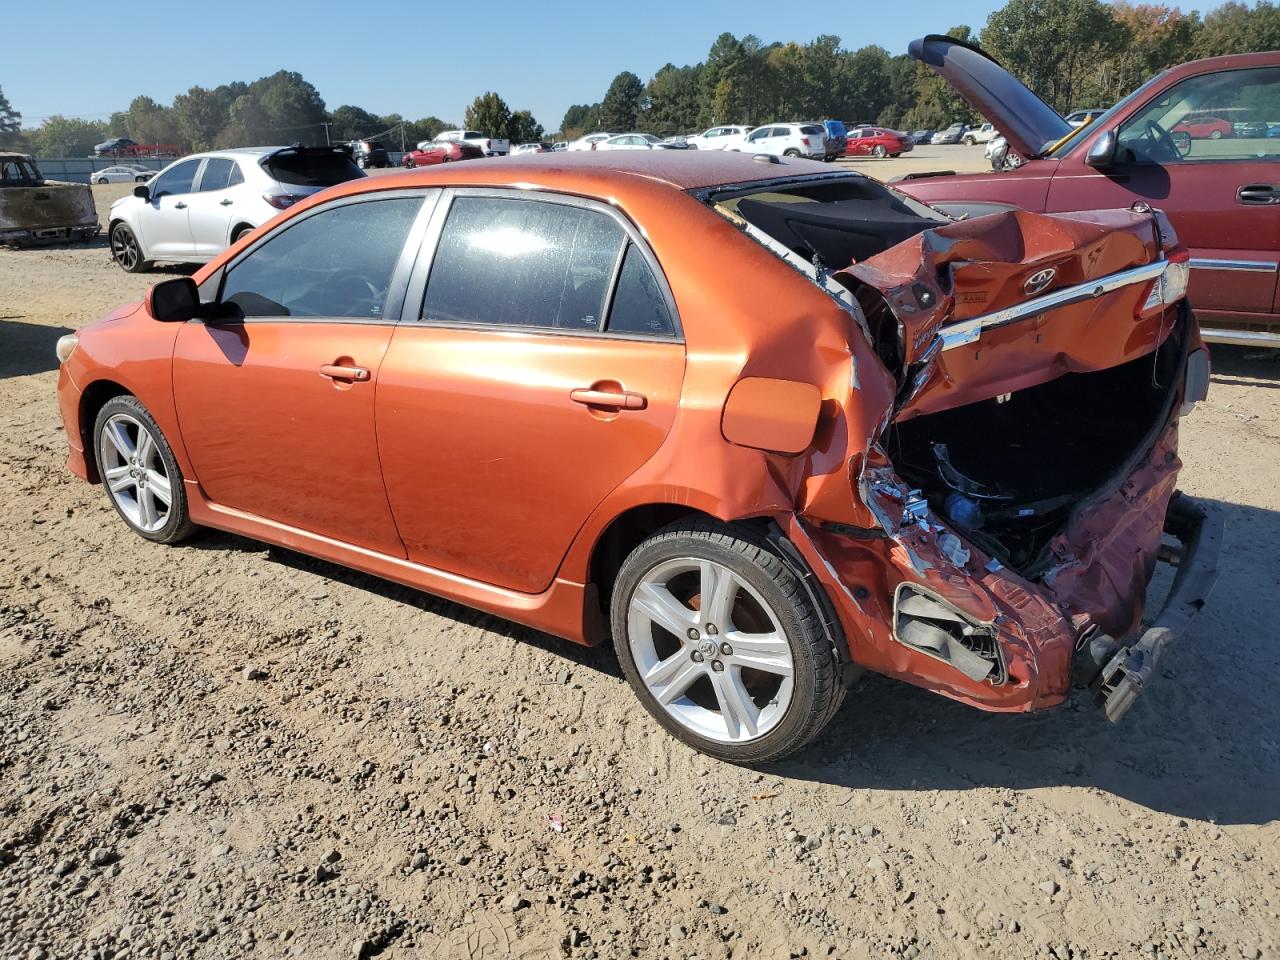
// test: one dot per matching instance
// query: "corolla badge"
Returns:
(1039, 280)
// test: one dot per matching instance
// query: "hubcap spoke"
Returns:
(719, 588)
(660, 606)
(146, 508)
(158, 484)
(120, 439)
(740, 714)
(146, 447)
(768, 652)
(677, 679)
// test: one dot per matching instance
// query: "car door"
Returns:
(1222, 196)
(509, 408)
(276, 401)
(163, 221)
(212, 205)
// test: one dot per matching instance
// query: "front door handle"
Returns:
(1258, 194)
(179, 206)
(613, 400)
(335, 371)
(225, 203)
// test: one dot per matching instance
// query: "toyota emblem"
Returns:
(1039, 280)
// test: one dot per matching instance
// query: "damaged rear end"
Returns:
(999, 530)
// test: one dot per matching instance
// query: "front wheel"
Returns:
(139, 472)
(141, 179)
(101, 181)
(791, 153)
(722, 644)
(408, 163)
(125, 249)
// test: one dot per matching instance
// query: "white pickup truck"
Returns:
(492, 146)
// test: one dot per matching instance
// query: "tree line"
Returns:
(1073, 53)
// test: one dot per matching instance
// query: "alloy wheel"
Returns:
(709, 650)
(124, 247)
(135, 473)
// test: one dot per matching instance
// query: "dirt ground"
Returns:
(225, 750)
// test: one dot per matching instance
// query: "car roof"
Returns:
(604, 175)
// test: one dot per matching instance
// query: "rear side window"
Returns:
(810, 129)
(307, 169)
(336, 263)
(217, 174)
(522, 263)
(638, 305)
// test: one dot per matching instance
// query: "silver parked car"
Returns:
(122, 173)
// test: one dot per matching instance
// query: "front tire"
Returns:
(101, 181)
(139, 472)
(722, 643)
(126, 251)
(791, 153)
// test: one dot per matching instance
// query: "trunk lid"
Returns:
(1029, 124)
(1014, 299)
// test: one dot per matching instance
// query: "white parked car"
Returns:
(530, 148)
(785, 140)
(629, 141)
(123, 173)
(983, 134)
(195, 208)
(492, 146)
(589, 141)
(718, 138)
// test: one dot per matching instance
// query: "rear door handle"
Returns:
(225, 203)
(336, 371)
(623, 400)
(1257, 194)
(179, 206)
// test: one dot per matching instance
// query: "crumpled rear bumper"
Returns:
(1196, 528)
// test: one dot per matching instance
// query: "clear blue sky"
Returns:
(414, 58)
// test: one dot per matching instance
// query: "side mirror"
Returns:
(1102, 152)
(174, 301)
(143, 191)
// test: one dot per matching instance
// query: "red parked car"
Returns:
(1204, 127)
(1222, 196)
(876, 142)
(441, 151)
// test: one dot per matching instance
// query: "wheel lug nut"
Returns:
(726, 649)
(693, 633)
(697, 657)
(717, 666)
(711, 629)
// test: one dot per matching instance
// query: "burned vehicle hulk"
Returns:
(35, 210)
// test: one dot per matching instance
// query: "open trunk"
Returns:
(1009, 471)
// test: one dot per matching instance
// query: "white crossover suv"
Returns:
(785, 140)
(196, 207)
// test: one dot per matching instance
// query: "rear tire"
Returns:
(879, 151)
(235, 237)
(101, 181)
(139, 472)
(1215, 135)
(756, 703)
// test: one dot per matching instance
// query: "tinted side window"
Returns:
(217, 173)
(522, 263)
(236, 176)
(1229, 115)
(638, 305)
(179, 179)
(336, 263)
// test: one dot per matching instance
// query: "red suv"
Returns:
(1154, 147)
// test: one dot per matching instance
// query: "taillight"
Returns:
(283, 201)
(805, 141)
(1170, 286)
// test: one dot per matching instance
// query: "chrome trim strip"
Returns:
(967, 331)
(1241, 338)
(1244, 266)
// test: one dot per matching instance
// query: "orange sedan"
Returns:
(762, 424)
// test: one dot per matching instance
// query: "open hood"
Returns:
(1028, 123)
